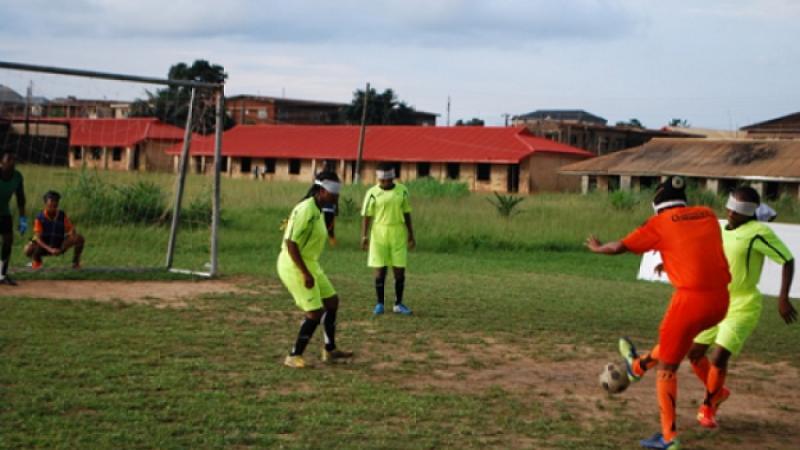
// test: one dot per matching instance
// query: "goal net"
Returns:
(112, 148)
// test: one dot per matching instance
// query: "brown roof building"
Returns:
(770, 166)
(784, 127)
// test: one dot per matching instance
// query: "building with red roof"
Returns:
(486, 158)
(122, 144)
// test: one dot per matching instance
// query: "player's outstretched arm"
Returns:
(785, 308)
(609, 248)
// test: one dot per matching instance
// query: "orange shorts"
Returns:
(689, 313)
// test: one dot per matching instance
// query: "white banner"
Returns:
(770, 277)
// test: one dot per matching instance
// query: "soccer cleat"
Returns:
(657, 441)
(335, 356)
(36, 265)
(628, 352)
(378, 309)
(707, 415)
(402, 309)
(295, 362)
(8, 281)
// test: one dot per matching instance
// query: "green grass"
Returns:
(76, 374)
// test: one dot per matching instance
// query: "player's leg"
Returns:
(331, 353)
(309, 301)
(380, 289)
(7, 233)
(637, 365)
(77, 241)
(377, 259)
(399, 288)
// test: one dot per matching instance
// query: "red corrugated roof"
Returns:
(383, 143)
(120, 132)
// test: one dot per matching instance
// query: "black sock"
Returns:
(379, 288)
(329, 329)
(306, 331)
(399, 286)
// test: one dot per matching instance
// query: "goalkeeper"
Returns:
(11, 183)
(53, 234)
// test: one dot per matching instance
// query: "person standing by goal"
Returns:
(11, 183)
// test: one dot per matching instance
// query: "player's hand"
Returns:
(593, 244)
(308, 280)
(364, 243)
(787, 311)
(659, 269)
(412, 243)
(23, 224)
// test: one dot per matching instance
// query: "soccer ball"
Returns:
(613, 378)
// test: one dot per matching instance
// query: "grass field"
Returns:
(513, 321)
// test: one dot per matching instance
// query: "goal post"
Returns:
(115, 168)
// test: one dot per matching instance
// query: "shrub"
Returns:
(428, 187)
(506, 205)
(623, 200)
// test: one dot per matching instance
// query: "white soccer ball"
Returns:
(613, 378)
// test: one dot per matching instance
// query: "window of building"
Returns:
(269, 165)
(96, 153)
(423, 169)
(77, 153)
(224, 165)
(484, 172)
(294, 167)
(397, 167)
(453, 171)
(116, 154)
(247, 165)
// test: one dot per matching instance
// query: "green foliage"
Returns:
(171, 104)
(427, 187)
(624, 200)
(703, 197)
(506, 205)
(474, 122)
(382, 109)
(348, 208)
(681, 123)
(633, 123)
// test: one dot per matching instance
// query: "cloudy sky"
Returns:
(716, 63)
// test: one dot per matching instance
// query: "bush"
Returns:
(624, 200)
(428, 187)
(93, 201)
(506, 205)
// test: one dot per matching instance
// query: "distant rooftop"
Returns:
(572, 115)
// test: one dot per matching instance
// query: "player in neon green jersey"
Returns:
(388, 234)
(299, 270)
(11, 183)
(746, 242)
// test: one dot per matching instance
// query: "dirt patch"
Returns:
(172, 294)
(760, 413)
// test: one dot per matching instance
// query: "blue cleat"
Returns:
(657, 441)
(378, 309)
(402, 309)
(628, 352)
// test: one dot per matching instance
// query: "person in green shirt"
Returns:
(11, 183)
(388, 234)
(746, 242)
(299, 270)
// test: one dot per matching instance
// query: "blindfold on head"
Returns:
(329, 185)
(386, 174)
(744, 208)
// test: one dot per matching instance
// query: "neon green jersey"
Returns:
(386, 206)
(306, 228)
(7, 189)
(745, 248)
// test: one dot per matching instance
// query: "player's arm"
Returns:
(609, 248)
(411, 241)
(365, 224)
(294, 253)
(37, 237)
(785, 308)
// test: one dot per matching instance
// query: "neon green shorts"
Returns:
(388, 246)
(740, 321)
(306, 299)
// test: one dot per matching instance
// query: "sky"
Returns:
(715, 63)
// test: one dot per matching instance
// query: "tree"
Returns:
(171, 104)
(634, 123)
(382, 109)
(474, 122)
(679, 123)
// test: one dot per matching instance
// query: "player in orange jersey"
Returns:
(690, 242)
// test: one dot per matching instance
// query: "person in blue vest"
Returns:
(53, 234)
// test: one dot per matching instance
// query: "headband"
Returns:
(744, 208)
(386, 174)
(329, 185)
(668, 204)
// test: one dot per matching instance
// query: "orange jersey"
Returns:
(690, 242)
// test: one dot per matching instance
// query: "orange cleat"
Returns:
(707, 415)
(36, 265)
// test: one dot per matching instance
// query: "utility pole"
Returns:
(506, 116)
(448, 110)
(28, 103)
(357, 175)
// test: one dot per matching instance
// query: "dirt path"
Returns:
(173, 294)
